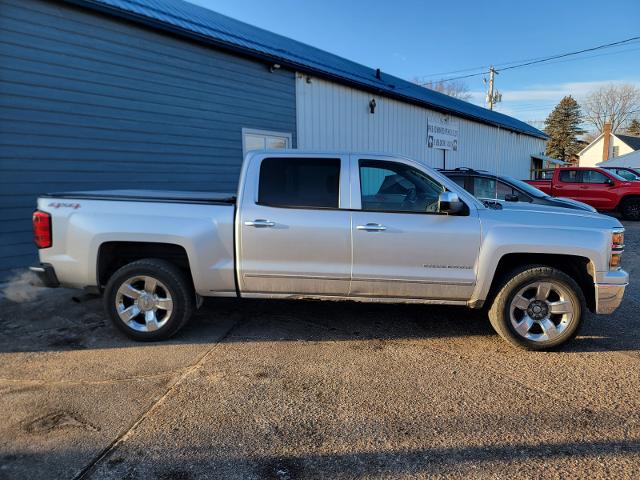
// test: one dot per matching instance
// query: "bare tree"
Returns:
(615, 103)
(453, 88)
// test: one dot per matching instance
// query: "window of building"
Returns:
(396, 187)
(570, 176)
(299, 182)
(615, 151)
(264, 140)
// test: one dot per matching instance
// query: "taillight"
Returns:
(42, 229)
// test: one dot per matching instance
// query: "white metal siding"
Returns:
(335, 117)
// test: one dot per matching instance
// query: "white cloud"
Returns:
(536, 101)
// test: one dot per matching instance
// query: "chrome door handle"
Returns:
(372, 227)
(259, 222)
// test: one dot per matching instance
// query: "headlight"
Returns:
(617, 247)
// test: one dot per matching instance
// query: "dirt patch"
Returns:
(74, 342)
(57, 420)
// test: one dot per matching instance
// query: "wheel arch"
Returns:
(580, 268)
(626, 198)
(114, 254)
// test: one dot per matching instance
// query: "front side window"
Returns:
(591, 176)
(299, 182)
(570, 176)
(395, 187)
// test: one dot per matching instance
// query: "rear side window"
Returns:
(299, 182)
(459, 180)
(490, 188)
(569, 176)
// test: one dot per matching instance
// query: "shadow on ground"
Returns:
(59, 320)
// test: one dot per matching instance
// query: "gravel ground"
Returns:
(289, 390)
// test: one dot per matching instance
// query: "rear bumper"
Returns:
(610, 290)
(47, 274)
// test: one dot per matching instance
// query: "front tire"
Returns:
(538, 308)
(149, 299)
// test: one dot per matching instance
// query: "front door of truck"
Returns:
(598, 190)
(402, 246)
(293, 236)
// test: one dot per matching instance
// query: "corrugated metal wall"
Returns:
(89, 102)
(332, 116)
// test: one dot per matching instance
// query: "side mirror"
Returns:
(609, 182)
(449, 202)
(511, 197)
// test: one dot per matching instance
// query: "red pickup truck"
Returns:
(600, 188)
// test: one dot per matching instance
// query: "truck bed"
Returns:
(163, 196)
(544, 185)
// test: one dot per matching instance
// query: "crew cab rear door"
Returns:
(293, 227)
(403, 247)
(567, 183)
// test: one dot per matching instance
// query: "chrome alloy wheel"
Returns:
(144, 303)
(541, 311)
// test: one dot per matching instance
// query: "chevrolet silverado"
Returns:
(339, 226)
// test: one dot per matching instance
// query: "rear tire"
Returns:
(538, 308)
(149, 299)
(631, 209)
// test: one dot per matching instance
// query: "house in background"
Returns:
(607, 146)
(164, 94)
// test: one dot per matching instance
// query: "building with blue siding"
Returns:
(163, 94)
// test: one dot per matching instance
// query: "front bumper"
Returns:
(609, 290)
(47, 274)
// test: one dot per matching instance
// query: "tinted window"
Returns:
(395, 187)
(459, 180)
(626, 174)
(591, 176)
(299, 182)
(484, 187)
(568, 175)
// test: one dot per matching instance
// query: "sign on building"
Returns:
(442, 133)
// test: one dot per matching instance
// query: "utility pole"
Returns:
(492, 97)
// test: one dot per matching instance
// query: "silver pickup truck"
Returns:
(339, 226)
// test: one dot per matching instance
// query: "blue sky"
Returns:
(411, 39)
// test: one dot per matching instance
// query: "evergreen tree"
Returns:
(563, 127)
(634, 127)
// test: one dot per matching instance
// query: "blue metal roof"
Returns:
(210, 27)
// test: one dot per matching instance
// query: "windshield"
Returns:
(526, 188)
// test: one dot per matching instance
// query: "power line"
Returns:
(554, 57)
(534, 61)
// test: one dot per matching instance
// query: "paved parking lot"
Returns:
(314, 390)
